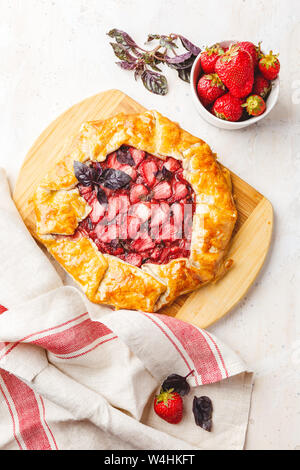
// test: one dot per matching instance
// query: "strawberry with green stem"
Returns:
(209, 88)
(228, 107)
(168, 405)
(269, 66)
(255, 105)
(209, 58)
(235, 69)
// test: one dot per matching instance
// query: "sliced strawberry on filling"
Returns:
(159, 213)
(97, 212)
(180, 191)
(137, 192)
(162, 190)
(113, 162)
(143, 243)
(111, 233)
(137, 155)
(133, 227)
(148, 170)
(172, 164)
(168, 232)
(178, 215)
(141, 210)
(121, 228)
(130, 171)
(133, 258)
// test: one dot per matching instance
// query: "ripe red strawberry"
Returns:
(209, 88)
(235, 69)
(138, 192)
(261, 86)
(169, 406)
(252, 49)
(162, 191)
(171, 164)
(148, 169)
(269, 66)
(228, 107)
(254, 105)
(180, 191)
(209, 58)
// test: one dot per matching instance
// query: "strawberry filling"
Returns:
(143, 217)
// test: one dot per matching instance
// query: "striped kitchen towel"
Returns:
(75, 375)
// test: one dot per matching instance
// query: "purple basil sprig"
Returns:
(145, 63)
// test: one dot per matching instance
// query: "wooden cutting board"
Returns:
(252, 234)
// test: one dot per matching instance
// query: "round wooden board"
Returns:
(252, 235)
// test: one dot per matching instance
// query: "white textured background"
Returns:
(54, 53)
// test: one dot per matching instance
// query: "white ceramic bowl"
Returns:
(222, 124)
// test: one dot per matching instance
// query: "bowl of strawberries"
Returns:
(235, 84)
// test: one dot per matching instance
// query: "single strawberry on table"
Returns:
(235, 69)
(169, 406)
(261, 86)
(209, 88)
(255, 105)
(269, 66)
(228, 107)
(209, 58)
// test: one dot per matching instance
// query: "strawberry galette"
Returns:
(138, 212)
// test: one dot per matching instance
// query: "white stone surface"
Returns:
(54, 53)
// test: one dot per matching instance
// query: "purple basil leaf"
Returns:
(189, 46)
(185, 74)
(122, 53)
(122, 38)
(84, 174)
(126, 65)
(178, 59)
(124, 156)
(203, 409)
(182, 65)
(114, 179)
(178, 383)
(155, 82)
(101, 196)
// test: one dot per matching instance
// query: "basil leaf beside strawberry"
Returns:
(177, 383)
(144, 63)
(203, 409)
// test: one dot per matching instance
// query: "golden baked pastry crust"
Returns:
(107, 279)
